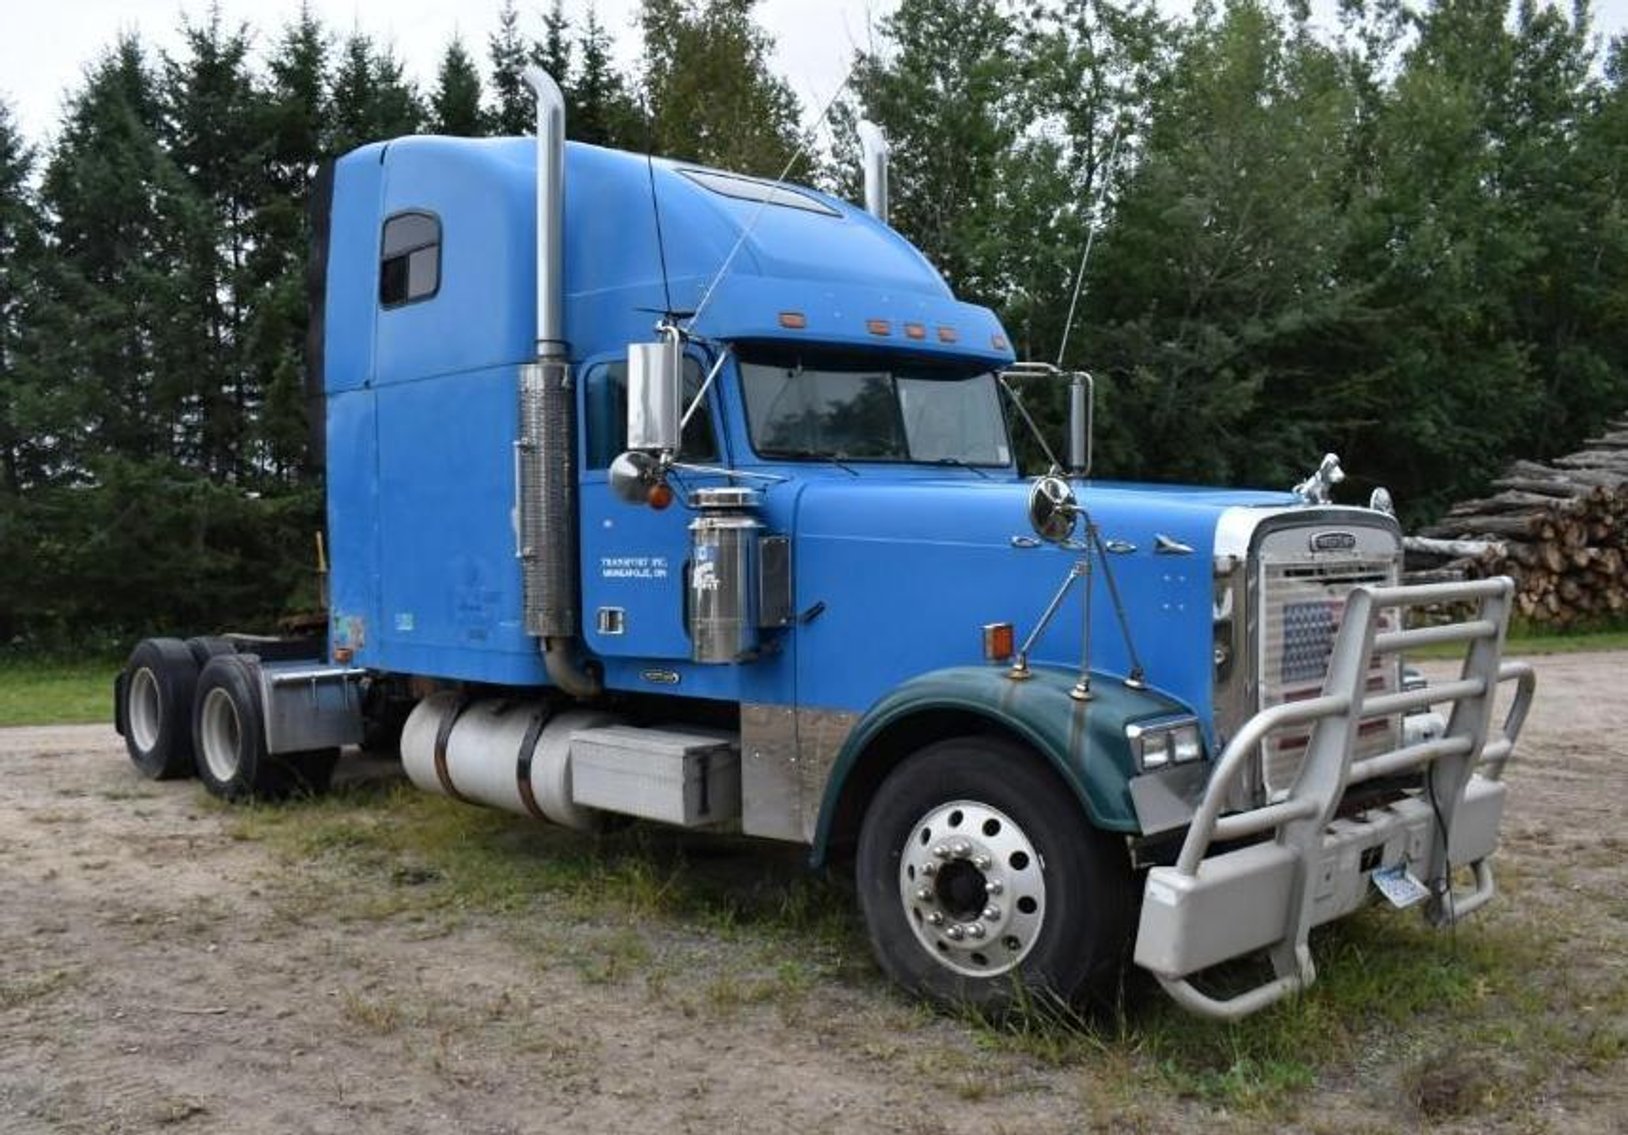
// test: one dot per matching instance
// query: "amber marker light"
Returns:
(659, 497)
(998, 641)
(915, 331)
(878, 327)
(948, 335)
(793, 320)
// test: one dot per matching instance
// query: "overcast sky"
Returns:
(47, 43)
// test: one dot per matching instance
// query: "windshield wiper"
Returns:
(812, 455)
(959, 464)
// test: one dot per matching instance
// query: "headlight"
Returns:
(1174, 740)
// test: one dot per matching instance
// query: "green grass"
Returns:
(36, 692)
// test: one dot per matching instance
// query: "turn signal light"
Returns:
(998, 641)
(793, 320)
(660, 496)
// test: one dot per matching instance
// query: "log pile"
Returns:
(1561, 530)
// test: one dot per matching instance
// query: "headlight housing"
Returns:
(1164, 742)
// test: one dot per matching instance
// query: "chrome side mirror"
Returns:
(1053, 511)
(654, 390)
(1082, 398)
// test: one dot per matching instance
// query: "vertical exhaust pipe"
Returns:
(550, 213)
(874, 149)
(546, 498)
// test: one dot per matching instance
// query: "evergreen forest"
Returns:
(1401, 236)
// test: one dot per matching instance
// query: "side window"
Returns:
(605, 411)
(409, 259)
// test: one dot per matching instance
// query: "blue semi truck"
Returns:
(659, 491)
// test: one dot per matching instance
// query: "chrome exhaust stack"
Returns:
(873, 146)
(546, 493)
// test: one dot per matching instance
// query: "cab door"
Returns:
(634, 556)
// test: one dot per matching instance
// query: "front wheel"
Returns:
(984, 884)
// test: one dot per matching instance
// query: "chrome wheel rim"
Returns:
(973, 888)
(221, 734)
(145, 710)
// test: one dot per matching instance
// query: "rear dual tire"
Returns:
(229, 739)
(156, 693)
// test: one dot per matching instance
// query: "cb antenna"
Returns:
(1090, 239)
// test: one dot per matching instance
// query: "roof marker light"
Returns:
(915, 331)
(948, 335)
(878, 327)
(793, 320)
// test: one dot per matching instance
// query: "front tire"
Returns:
(985, 886)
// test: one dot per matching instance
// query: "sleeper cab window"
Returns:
(409, 258)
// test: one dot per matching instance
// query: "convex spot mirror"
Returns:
(654, 392)
(1053, 511)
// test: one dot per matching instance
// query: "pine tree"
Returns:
(372, 100)
(296, 112)
(455, 105)
(514, 110)
(554, 52)
(211, 109)
(600, 109)
(24, 445)
(125, 223)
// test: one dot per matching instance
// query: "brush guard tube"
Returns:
(1313, 868)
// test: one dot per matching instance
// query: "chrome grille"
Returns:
(1302, 605)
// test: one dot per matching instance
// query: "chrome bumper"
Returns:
(1308, 867)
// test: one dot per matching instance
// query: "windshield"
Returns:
(862, 408)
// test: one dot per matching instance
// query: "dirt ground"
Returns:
(158, 973)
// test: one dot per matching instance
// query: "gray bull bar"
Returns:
(1305, 867)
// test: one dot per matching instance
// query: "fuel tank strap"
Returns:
(442, 736)
(522, 764)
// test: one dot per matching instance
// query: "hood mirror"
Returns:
(1053, 511)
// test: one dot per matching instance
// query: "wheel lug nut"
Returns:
(924, 894)
(992, 913)
(941, 852)
(994, 887)
(929, 869)
(982, 862)
(975, 930)
(955, 933)
(936, 918)
(961, 849)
